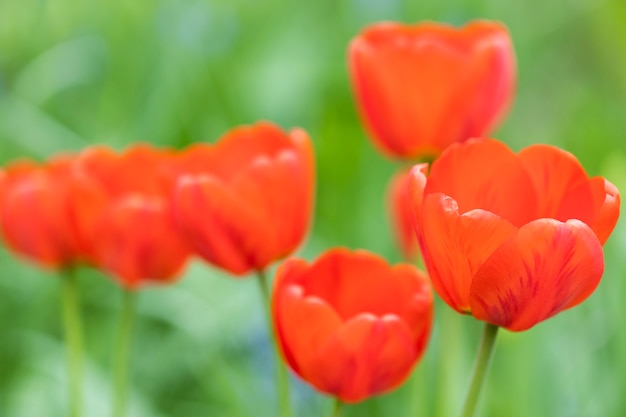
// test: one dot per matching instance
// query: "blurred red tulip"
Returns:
(350, 324)
(134, 236)
(246, 201)
(401, 215)
(421, 88)
(46, 211)
(512, 239)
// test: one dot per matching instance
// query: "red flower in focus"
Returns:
(134, 235)
(402, 216)
(421, 88)
(246, 201)
(46, 212)
(350, 324)
(512, 239)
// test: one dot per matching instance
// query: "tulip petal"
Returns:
(337, 368)
(494, 77)
(416, 184)
(306, 187)
(607, 206)
(547, 267)
(34, 220)
(426, 68)
(141, 169)
(137, 241)
(485, 174)
(379, 290)
(305, 324)
(216, 224)
(242, 145)
(396, 358)
(562, 185)
(456, 245)
(401, 213)
(276, 190)
(418, 315)
(366, 356)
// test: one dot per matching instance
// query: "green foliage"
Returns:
(77, 72)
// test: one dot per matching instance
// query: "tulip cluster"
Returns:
(510, 239)
(138, 214)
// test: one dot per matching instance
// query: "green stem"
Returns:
(121, 363)
(448, 361)
(480, 368)
(418, 386)
(74, 339)
(418, 392)
(282, 381)
(338, 406)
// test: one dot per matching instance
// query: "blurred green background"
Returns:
(77, 72)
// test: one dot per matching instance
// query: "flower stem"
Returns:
(481, 365)
(418, 392)
(74, 339)
(448, 361)
(337, 408)
(121, 361)
(282, 382)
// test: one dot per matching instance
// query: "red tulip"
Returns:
(421, 88)
(134, 235)
(246, 201)
(402, 216)
(46, 212)
(512, 239)
(350, 324)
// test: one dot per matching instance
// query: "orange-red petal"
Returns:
(137, 242)
(607, 207)
(305, 324)
(366, 356)
(485, 174)
(399, 206)
(547, 267)
(35, 221)
(140, 169)
(381, 290)
(561, 183)
(216, 224)
(456, 245)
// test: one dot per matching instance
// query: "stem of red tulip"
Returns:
(480, 368)
(282, 380)
(74, 339)
(420, 379)
(448, 361)
(337, 408)
(121, 360)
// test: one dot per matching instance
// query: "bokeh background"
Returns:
(78, 72)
